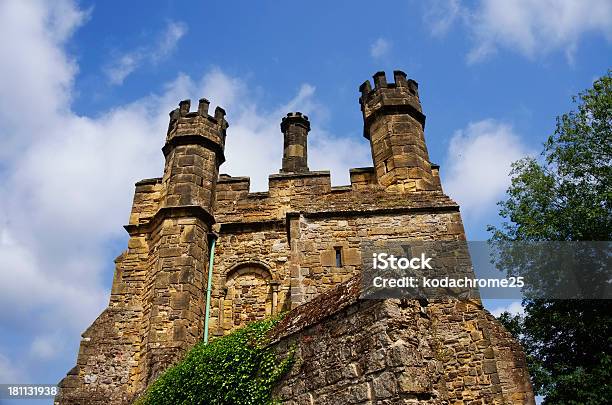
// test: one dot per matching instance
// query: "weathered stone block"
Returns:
(352, 257)
(328, 258)
(180, 300)
(384, 386)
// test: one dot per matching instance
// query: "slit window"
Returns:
(407, 251)
(386, 166)
(338, 256)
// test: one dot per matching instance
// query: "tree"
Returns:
(566, 196)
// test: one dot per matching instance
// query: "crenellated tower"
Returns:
(394, 124)
(179, 239)
(157, 303)
(295, 127)
(194, 150)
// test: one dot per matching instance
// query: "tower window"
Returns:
(386, 166)
(338, 256)
(407, 251)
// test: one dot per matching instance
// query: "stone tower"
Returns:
(297, 247)
(178, 240)
(394, 124)
(156, 309)
(295, 128)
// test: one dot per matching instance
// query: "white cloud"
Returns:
(478, 163)
(46, 347)
(531, 27)
(67, 180)
(380, 48)
(174, 32)
(127, 63)
(29, 87)
(9, 372)
(514, 308)
(123, 67)
(440, 15)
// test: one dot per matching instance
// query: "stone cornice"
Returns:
(229, 227)
(194, 140)
(392, 109)
(184, 211)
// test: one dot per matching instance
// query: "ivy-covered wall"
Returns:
(237, 369)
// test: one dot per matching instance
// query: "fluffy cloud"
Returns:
(531, 27)
(440, 15)
(478, 164)
(380, 48)
(125, 64)
(29, 87)
(67, 180)
(8, 371)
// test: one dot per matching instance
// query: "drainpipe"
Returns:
(213, 237)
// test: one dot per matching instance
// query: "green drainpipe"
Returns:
(209, 287)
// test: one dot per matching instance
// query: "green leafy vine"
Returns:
(239, 368)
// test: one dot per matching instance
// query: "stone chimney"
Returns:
(295, 127)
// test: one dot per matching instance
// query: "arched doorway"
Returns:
(248, 295)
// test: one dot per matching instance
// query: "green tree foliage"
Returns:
(237, 369)
(566, 196)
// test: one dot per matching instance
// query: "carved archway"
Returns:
(249, 295)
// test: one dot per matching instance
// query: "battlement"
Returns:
(203, 104)
(363, 178)
(400, 97)
(380, 83)
(199, 122)
(232, 188)
(295, 118)
(197, 127)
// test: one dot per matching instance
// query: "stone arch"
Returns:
(249, 294)
(249, 263)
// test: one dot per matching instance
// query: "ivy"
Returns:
(238, 368)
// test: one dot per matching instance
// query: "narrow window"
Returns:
(407, 251)
(338, 256)
(386, 166)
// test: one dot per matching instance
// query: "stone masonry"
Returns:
(295, 247)
(352, 351)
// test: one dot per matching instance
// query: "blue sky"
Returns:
(85, 88)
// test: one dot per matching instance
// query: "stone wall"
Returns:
(173, 300)
(247, 256)
(352, 351)
(322, 237)
(108, 362)
(295, 230)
